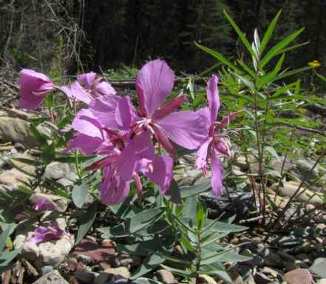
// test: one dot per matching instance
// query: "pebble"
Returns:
(52, 277)
(166, 277)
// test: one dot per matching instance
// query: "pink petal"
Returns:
(33, 87)
(161, 172)
(201, 161)
(213, 97)
(217, 176)
(86, 123)
(104, 109)
(87, 79)
(77, 92)
(169, 107)
(154, 83)
(44, 234)
(103, 88)
(226, 120)
(163, 139)
(222, 147)
(124, 113)
(113, 189)
(86, 144)
(186, 128)
(139, 147)
(43, 204)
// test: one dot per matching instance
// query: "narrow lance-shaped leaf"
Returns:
(86, 221)
(241, 35)
(278, 47)
(269, 32)
(79, 195)
(271, 76)
(217, 56)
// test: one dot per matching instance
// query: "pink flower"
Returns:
(216, 144)
(43, 204)
(33, 88)
(136, 158)
(44, 234)
(105, 128)
(188, 129)
(87, 87)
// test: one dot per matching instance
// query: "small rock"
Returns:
(95, 252)
(13, 178)
(249, 280)
(298, 276)
(57, 170)
(273, 260)
(24, 163)
(84, 277)
(46, 269)
(166, 277)
(121, 271)
(16, 130)
(48, 253)
(52, 277)
(319, 267)
(304, 195)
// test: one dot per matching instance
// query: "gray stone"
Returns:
(319, 267)
(304, 195)
(84, 277)
(52, 277)
(121, 271)
(166, 277)
(16, 130)
(46, 269)
(13, 178)
(48, 253)
(57, 170)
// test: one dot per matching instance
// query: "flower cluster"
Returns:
(137, 141)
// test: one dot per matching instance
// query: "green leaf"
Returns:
(112, 232)
(149, 264)
(278, 47)
(293, 72)
(188, 191)
(228, 256)
(7, 229)
(79, 194)
(218, 56)
(224, 227)
(6, 257)
(270, 77)
(269, 32)
(177, 271)
(246, 68)
(201, 215)
(241, 35)
(245, 81)
(143, 219)
(86, 221)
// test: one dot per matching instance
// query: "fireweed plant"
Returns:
(136, 144)
(137, 141)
